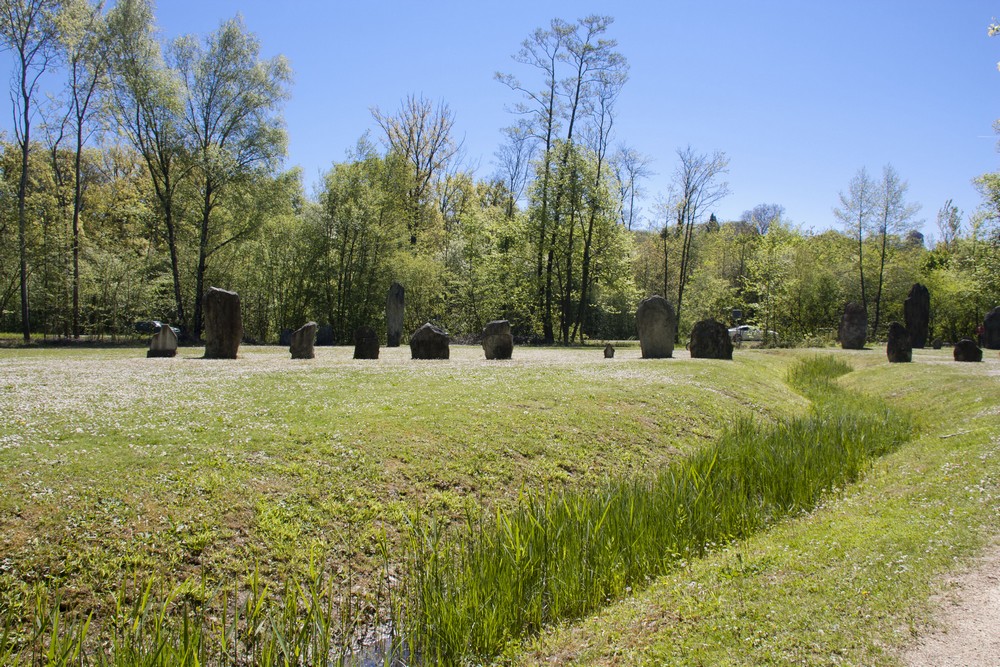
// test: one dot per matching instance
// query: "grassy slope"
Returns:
(848, 583)
(111, 463)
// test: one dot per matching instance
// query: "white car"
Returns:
(747, 332)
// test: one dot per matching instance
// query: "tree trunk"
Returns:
(861, 265)
(22, 228)
(548, 332)
(878, 287)
(168, 218)
(564, 320)
(199, 280)
(77, 204)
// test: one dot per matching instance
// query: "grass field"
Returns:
(115, 468)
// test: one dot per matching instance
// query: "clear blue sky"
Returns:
(799, 94)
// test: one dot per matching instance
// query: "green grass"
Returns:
(849, 582)
(116, 468)
(263, 504)
(560, 555)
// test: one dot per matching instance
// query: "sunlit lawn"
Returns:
(850, 583)
(114, 467)
(112, 464)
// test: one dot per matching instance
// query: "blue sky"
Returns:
(799, 95)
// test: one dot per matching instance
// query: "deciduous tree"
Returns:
(232, 129)
(28, 30)
(856, 213)
(697, 186)
(148, 109)
(893, 216)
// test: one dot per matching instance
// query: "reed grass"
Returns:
(557, 555)
(313, 621)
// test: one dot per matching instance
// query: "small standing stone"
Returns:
(609, 351)
(394, 307)
(967, 350)
(498, 343)
(223, 324)
(853, 331)
(365, 343)
(324, 335)
(917, 314)
(710, 340)
(657, 325)
(898, 348)
(937, 344)
(429, 342)
(302, 341)
(163, 343)
(991, 329)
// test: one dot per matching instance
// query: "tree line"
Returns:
(155, 169)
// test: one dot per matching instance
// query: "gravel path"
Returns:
(968, 632)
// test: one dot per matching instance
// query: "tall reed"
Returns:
(559, 555)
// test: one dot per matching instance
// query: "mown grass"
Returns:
(190, 615)
(199, 474)
(849, 582)
(562, 554)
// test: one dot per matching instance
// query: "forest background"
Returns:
(141, 170)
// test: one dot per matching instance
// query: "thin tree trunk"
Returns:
(199, 280)
(22, 228)
(861, 265)
(77, 204)
(878, 289)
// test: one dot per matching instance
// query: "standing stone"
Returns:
(657, 325)
(609, 351)
(967, 350)
(429, 342)
(163, 343)
(324, 335)
(898, 348)
(394, 315)
(365, 343)
(917, 314)
(991, 329)
(498, 343)
(223, 324)
(303, 339)
(937, 344)
(853, 330)
(710, 340)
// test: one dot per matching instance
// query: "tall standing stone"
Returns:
(898, 348)
(991, 329)
(609, 351)
(657, 325)
(429, 342)
(223, 324)
(710, 340)
(163, 343)
(853, 331)
(394, 315)
(302, 341)
(365, 343)
(917, 314)
(498, 343)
